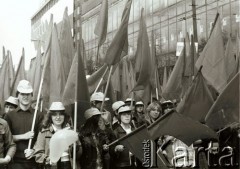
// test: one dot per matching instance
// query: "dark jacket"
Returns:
(88, 159)
(123, 159)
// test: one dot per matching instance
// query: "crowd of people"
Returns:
(99, 130)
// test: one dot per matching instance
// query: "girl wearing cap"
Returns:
(154, 111)
(56, 119)
(139, 115)
(94, 138)
(124, 159)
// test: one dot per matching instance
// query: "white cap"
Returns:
(124, 109)
(117, 104)
(139, 103)
(167, 102)
(57, 106)
(12, 100)
(91, 112)
(98, 96)
(129, 100)
(24, 86)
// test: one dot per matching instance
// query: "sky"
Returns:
(15, 28)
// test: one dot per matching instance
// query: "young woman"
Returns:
(154, 111)
(123, 158)
(94, 138)
(56, 119)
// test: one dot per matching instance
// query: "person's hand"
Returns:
(119, 148)
(28, 153)
(105, 147)
(5, 160)
(28, 135)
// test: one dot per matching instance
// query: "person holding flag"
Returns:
(20, 123)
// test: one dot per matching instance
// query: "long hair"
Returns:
(91, 125)
(47, 121)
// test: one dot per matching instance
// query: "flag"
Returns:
(143, 57)
(225, 109)
(173, 88)
(20, 74)
(66, 43)
(76, 88)
(154, 80)
(180, 127)
(188, 61)
(230, 60)
(4, 81)
(197, 100)
(134, 141)
(102, 23)
(3, 54)
(119, 44)
(115, 79)
(54, 79)
(37, 73)
(11, 69)
(94, 79)
(212, 59)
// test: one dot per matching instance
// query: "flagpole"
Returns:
(156, 84)
(100, 80)
(105, 93)
(40, 88)
(97, 54)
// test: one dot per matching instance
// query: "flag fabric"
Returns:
(188, 60)
(11, 69)
(37, 74)
(3, 53)
(180, 127)
(143, 56)
(94, 79)
(76, 88)
(119, 44)
(102, 23)
(212, 59)
(115, 79)
(173, 88)
(54, 79)
(197, 100)
(134, 141)
(230, 60)
(4, 81)
(66, 43)
(225, 109)
(20, 74)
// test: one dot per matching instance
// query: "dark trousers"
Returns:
(60, 165)
(23, 165)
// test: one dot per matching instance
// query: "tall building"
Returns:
(168, 19)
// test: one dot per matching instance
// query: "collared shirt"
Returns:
(6, 140)
(20, 122)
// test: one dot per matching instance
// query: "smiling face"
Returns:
(57, 118)
(25, 99)
(125, 117)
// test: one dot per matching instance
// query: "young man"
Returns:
(10, 104)
(20, 123)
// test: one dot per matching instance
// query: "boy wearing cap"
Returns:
(10, 104)
(20, 123)
(115, 106)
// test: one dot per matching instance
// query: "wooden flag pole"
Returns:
(105, 93)
(156, 84)
(40, 89)
(99, 83)
(98, 54)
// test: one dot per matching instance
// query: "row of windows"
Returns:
(169, 24)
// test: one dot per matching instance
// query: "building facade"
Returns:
(169, 20)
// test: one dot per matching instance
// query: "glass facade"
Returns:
(168, 19)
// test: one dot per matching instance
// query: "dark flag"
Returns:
(225, 110)
(180, 127)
